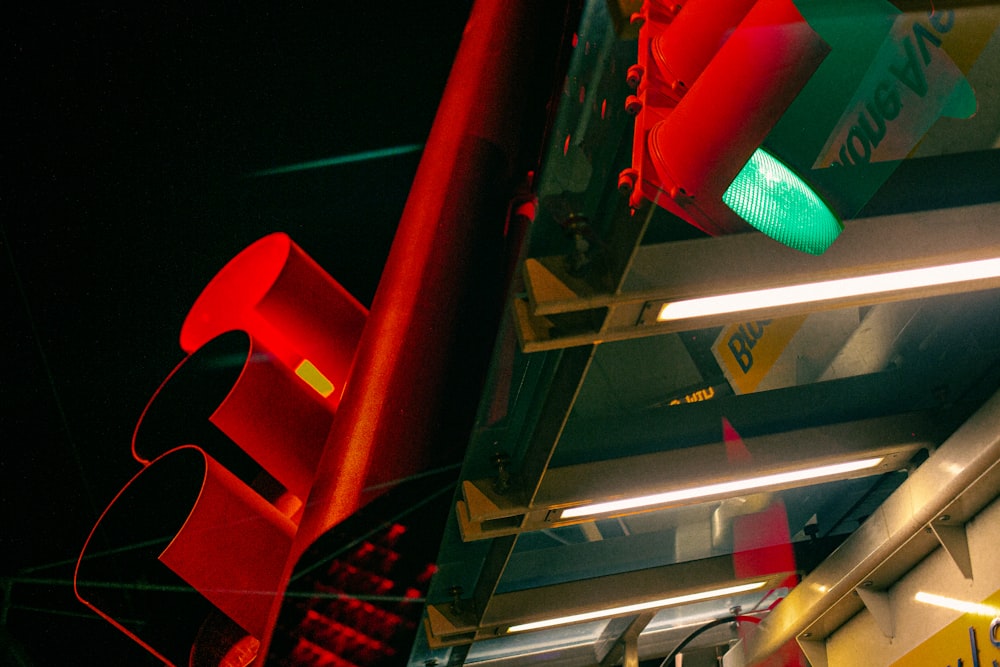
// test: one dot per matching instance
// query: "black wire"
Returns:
(708, 626)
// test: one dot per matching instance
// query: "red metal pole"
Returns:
(417, 375)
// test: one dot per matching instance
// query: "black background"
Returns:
(129, 135)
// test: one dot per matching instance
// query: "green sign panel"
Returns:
(888, 78)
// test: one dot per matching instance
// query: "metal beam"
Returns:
(447, 624)
(960, 478)
(551, 314)
(625, 649)
(484, 513)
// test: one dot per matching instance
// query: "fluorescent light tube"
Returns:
(721, 488)
(957, 605)
(633, 608)
(828, 290)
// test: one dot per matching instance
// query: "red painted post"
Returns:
(417, 375)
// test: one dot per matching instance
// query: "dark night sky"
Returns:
(127, 135)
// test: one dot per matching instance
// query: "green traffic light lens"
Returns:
(773, 199)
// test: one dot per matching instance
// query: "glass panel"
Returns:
(650, 394)
(676, 392)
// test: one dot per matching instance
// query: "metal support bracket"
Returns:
(955, 541)
(815, 651)
(625, 650)
(877, 603)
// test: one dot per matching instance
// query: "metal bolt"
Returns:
(502, 482)
(867, 583)
(944, 517)
(807, 635)
(633, 105)
(456, 599)
(634, 76)
(627, 180)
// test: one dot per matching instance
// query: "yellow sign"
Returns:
(747, 351)
(972, 640)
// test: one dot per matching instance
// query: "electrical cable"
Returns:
(708, 626)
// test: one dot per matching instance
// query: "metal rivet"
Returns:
(502, 482)
(456, 599)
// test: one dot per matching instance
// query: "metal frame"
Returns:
(483, 512)
(667, 272)
(953, 485)
(453, 624)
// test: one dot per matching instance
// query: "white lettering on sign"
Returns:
(909, 85)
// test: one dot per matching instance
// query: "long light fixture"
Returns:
(722, 488)
(829, 290)
(957, 605)
(633, 608)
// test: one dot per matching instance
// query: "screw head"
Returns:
(627, 180)
(633, 105)
(633, 76)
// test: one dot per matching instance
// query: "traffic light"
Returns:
(279, 295)
(270, 341)
(713, 80)
(183, 542)
(784, 116)
(198, 541)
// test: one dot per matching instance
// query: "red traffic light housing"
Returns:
(713, 79)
